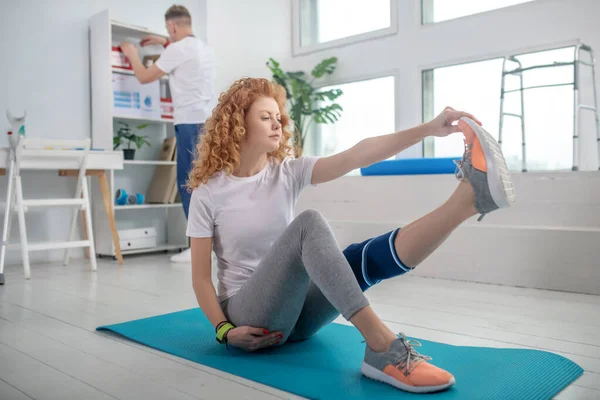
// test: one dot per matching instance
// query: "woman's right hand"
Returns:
(252, 339)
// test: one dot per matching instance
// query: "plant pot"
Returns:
(128, 154)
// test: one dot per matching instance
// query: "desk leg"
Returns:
(106, 197)
(85, 235)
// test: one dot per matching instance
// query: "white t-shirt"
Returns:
(190, 64)
(244, 216)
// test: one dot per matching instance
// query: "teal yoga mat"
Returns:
(327, 366)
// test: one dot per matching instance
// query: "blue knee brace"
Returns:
(375, 260)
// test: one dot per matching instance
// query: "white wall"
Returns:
(45, 70)
(529, 26)
(245, 34)
(549, 239)
(52, 38)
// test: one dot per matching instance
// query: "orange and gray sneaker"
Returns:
(484, 167)
(404, 368)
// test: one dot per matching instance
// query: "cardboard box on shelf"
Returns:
(174, 191)
(131, 98)
(165, 176)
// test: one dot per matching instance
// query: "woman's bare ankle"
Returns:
(463, 199)
(381, 341)
(377, 335)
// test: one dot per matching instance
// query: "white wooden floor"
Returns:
(49, 348)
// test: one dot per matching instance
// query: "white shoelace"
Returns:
(412, 358)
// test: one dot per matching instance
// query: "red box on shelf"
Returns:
(118, 59)
(166, 107)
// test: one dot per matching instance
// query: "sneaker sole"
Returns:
(500, 182)
(375, 374)
(181, 259)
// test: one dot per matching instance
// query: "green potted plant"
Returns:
(308, 104)
(124, 134)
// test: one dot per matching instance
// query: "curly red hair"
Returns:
(219, 148)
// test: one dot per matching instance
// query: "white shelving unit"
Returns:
(168, 219)
(165, 247)
(142, 119)
(146, 206)
(130, 72)
(148, 162)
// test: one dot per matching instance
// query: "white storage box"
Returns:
(118, 59)
(131, 98)
(166, 107)
(134, 244)
(132, 239)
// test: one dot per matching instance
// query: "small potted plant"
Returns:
(124, 134)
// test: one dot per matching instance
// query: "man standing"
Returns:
(190, 64)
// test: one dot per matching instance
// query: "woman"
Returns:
(282, 278)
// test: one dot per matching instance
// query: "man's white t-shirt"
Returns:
(244, 216)
(190, 64)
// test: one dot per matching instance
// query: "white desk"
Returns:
(35, 159)
(97, 164)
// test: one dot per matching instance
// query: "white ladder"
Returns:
(577, 107)
(35, 154)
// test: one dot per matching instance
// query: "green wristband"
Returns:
(223, 330)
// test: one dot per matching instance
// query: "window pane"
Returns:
(471, 87)
(327, 20)
(548, 111)
(442, 10)
(369, 110)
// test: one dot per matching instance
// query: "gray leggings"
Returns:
(301, 285)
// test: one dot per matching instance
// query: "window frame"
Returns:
(425, 8)
(393, 73)
(298, 49)
(428, 144)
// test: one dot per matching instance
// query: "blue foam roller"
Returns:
(140, 198)
(121, 197)
(412, 166)
(131, 199)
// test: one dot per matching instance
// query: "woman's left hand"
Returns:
(443, 124)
